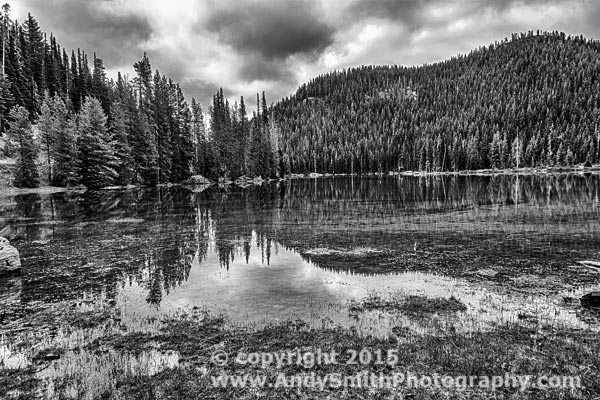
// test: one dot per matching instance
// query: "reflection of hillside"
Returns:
(405, 198)
(92, 242)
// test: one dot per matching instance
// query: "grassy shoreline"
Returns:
(126, 365)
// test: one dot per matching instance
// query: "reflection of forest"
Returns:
(75, 243)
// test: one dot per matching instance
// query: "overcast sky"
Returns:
(246, 46)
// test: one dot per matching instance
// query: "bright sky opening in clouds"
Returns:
(249, 46)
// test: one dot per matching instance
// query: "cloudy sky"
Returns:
(246, 46)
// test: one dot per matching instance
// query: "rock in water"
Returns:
(9, 257)
(591, 300)
(196, 180)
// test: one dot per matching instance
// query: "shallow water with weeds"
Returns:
(107, 275)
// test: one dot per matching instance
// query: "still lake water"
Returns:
(506, 246)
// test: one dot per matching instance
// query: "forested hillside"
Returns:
(66, 123)
(533, 100)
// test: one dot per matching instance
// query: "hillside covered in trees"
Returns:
(533, 100)
(66, 123)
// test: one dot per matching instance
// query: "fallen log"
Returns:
(593, 265)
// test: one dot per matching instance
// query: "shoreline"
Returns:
(595, 169)
(526, 171)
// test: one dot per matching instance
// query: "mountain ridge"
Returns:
(529, 101)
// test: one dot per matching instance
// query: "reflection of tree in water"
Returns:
(304, 214)
(241, 246)
(28, 210)
(236, 214)
(174, 242)
(94, 242)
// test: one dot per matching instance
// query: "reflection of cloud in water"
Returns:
(253, 293)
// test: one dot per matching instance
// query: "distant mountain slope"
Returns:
(529, 101)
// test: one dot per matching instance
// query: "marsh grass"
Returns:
(509, 348)
(413, 305)
(173, 360)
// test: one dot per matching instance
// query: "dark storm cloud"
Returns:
(274, 30)
(276, 45)
(503, 5)
(413, 15)
(406, 11)
(257, 68)
(85, 24)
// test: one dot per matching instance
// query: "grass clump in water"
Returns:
(416, 306)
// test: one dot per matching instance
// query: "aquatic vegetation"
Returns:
(412, 305)
(140, 286)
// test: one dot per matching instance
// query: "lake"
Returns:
(313, 250)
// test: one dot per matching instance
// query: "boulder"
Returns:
(197, 180)
(200, 188)
(9, 257)
(591, 300)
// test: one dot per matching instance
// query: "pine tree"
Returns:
(162, 111)
(33, 52)
(7, 102)
(145, 141)
(14, 66)
(182, 145)
(243, 137)
(20, 132)
(223, 135)
(198, 135)
(143, 144)
(265, 111)
(47, 132)
(496, 151)
(6, 97)
(66, 166)
(97, 163)
(143, 68)
(5, 24)
(286, 168)
(259, 150)
(75, 91)
(275, 140)
(120, 139)
(99, 88)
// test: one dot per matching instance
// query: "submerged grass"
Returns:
(416, 306)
